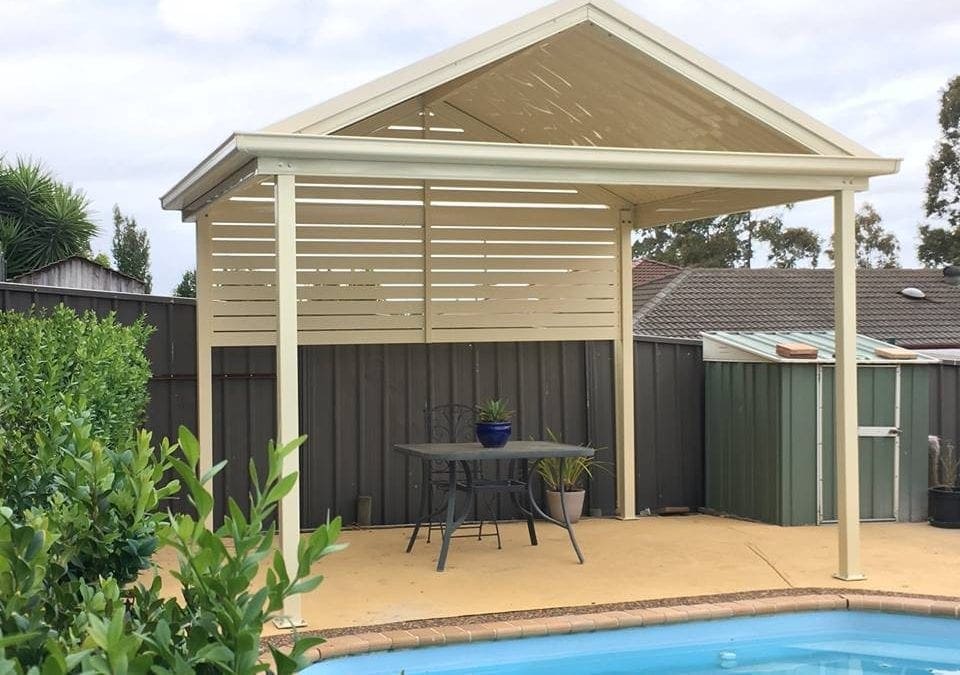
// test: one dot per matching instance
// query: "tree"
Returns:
(728, 241)
(940, 244)
(789, 246)
(708, 242)
(131, 248)
(101, 259)
(187, 288)
(41, 219)
(876, 247)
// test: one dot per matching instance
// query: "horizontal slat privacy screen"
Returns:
(375, 264)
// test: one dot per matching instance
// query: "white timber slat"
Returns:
(518, 261)
(523, 334)
(508, 260)
(572, 294)
(522, 234)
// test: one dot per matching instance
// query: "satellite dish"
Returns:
(911, 292)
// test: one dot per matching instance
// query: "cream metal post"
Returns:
(288, 411)
(623, 364)
(847, 442)
(204, 349)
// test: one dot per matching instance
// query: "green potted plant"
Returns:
(943, 497)
(574, 472)
(493, 423)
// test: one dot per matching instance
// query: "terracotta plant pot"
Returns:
(574, 504)
(943, 506)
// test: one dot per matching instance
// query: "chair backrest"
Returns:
(450, 423)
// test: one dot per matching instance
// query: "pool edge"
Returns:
(431, 636)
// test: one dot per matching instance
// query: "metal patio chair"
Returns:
(454, 423)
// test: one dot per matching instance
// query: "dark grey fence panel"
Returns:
(945, 401)
(668, 419)
(359, 400)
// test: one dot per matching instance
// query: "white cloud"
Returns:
(122, 99)
(226, 21)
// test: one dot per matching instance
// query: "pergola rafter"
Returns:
(489, 193)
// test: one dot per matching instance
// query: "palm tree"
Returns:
(41, 219)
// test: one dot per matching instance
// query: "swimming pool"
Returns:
(807, 642)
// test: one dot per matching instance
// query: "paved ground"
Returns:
(374, 581)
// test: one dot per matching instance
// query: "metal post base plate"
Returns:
(850, 577)
(288, 623)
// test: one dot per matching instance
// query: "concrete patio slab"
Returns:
(374, 582)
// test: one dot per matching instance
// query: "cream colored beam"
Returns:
(282, 148)
(623, 364)
(847, 443)
(288, 407)
(351, 156)
(204, 349)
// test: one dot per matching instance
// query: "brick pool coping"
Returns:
(715, 607)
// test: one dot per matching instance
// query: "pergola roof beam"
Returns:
(455, 160)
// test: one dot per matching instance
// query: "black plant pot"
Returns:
(943, 506)
(494, 434)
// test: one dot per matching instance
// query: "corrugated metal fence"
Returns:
(356, 401)
(669, 422)
(945, 401)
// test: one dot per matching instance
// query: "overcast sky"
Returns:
(123, 98)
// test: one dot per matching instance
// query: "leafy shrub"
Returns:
(55, 624)
(80, 491)
(79, 365)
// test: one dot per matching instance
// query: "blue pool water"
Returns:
(809, 642)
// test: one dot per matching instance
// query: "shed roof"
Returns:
(698, 300)
(76, 258)
(762, 346)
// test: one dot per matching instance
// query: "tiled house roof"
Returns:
(799, 299)
(646, 270)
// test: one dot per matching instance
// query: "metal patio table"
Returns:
(528, 453)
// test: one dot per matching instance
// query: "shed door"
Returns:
(878, 417)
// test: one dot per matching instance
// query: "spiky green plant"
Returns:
(570, 472)
(41, 219)
(949, 466)
(494, 410)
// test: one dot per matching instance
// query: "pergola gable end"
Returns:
(464, 92)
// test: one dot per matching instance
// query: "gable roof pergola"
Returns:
(498, 184)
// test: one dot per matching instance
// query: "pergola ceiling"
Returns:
(582, 86)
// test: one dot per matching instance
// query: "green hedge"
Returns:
(80, 518)
(60, 366)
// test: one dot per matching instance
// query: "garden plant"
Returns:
(83, 512)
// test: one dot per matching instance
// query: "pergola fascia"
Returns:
(246, 155)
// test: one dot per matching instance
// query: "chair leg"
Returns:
(429, 510)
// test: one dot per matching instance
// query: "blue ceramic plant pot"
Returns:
(494, 434)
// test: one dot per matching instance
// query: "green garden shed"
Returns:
(770, 427)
